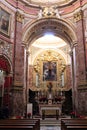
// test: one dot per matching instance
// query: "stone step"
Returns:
(50, 122)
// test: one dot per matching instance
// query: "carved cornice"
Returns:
(78, 16)
(16, 88)
(75, 43)
(19, 17)
(82, 85)
(18, 84)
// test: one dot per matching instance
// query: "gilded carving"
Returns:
(82, 85)
(17, 83)
(55, 68)
(78, 16)
(6, 48)
(19, 17)
(49, 12)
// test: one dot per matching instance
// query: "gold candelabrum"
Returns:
(43, 97)
(55, 96)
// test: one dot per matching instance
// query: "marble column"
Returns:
(26, 78)
(74, 63)
(81, 54)
(81, 64)
(18, 83)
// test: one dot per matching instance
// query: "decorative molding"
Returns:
(15, 88)
(75, 43)
(6, 49)
(18, 84)
(59, 27)
(46, 58)
(86, 45)
(82, 85)
(78, 16)
(19, 17)
(49, 12)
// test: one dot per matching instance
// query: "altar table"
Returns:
(53, 107)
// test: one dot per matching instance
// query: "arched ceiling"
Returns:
(49, 41)
(50, 2)
(59, 27)
(61, 30)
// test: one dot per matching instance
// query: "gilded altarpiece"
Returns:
(49, 66)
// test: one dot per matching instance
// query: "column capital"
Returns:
(75, 43)
(27, 52)
(10, 74)
(23, 44)
(73, 46)
(71, 53)
(26, 48)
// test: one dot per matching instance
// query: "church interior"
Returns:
(43, 59)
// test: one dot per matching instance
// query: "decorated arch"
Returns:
(5, 80)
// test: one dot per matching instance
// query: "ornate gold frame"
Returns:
(48, 55)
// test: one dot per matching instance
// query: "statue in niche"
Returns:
(49, 86)
(50, 94)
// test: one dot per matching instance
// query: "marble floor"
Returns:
(50, 124)
(50, 128)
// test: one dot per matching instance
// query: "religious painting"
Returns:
(49, 71)
(4, 22)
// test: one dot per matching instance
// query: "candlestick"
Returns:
(37, 78)
(61, 93)
(62, 79)
(44, 81)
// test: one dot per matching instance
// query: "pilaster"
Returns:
(81, 64)
(78, 18)
(74, 60)
(18, 82)
(82, 96)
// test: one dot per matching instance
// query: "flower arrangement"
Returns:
(29, 115)
(18, 117)
(73, 114)
(58, 99)
(43, 99)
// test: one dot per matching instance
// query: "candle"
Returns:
(62, 79)
(61, 93)
(37, 78)
(44, 80)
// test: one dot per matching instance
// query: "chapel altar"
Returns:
(49, 82)
(50, 110)
(41, 104)
(50, 104)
